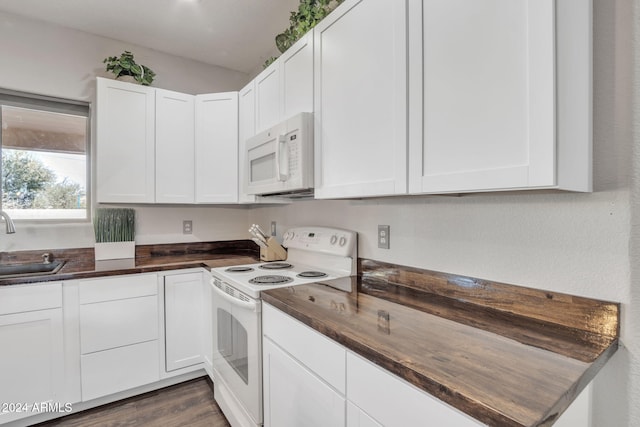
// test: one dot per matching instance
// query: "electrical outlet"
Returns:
(273, 228)
(187, 226)
(384, 232)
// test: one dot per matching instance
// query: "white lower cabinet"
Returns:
(119, 369)
(119, 334)
(356, 417)
(304, 374)
(32, 362)
(32, 355)
(184, 320)
(310, 380)
(389, 401)
(295, 396)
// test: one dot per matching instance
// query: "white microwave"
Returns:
(279, 160)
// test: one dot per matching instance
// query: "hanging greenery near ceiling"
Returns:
(309, 13)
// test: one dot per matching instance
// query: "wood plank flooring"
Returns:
(187, 404)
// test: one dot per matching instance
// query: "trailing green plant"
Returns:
(125, 65)
(114, 225)
(309, 13)
(269, 61)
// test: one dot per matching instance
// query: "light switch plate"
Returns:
(384, 232)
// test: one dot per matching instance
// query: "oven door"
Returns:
(237, 353)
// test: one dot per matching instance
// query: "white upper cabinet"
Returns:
(160, 146)
(296, 78)
(267, 93)
(285, 88)
(125, 142)
(499, 95)
(246, 129)
(216, 147)
(282, 90)
(360, 100)
(174, 147)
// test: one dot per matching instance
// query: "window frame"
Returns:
(52, 104)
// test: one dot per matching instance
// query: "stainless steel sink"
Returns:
(29, 269)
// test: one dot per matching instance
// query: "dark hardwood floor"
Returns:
(187, 404)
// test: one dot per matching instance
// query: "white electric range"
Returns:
(315, 254)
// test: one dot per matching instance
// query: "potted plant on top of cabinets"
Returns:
(125, 68)
(115, 233)
(309, 13)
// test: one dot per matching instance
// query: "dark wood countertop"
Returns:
(504, 363)
(80, 263)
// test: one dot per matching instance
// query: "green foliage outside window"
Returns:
(28, 184)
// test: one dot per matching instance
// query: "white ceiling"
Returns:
(236, 34)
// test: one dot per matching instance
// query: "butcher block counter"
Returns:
(81, 264)
(504, 354)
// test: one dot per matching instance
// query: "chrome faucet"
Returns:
(11, 228)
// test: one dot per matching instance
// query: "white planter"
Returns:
(115, 250)
(128, 79)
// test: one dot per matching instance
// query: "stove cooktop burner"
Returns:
(239, 269)
(276, 266)
(312, 274)
(270, 280)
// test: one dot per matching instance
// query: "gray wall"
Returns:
(51, 60)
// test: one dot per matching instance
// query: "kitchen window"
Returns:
(45, 157)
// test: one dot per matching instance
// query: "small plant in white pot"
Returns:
(115, 230)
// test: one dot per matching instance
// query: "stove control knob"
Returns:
(334, 239)
(343, 241)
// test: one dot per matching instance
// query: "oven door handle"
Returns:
(248, 305)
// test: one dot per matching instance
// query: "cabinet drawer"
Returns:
(119, 369)
(119, 287)
(22, 298)
(112, 324)
(324, 357)
(371, 388)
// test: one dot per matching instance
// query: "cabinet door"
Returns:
(31, 361)
(360, 97)
(184, 320)
(174, 147)
(482, 90)
(371, 388)
(356, 417)
(267, 87)
(246, 129)
(117, 323)
(119, 369)
(119, 333)
(125, 148)
(207, 331)
(296, 78)
(293, 396)
(217, 148)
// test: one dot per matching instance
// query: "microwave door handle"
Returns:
(282, 158)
